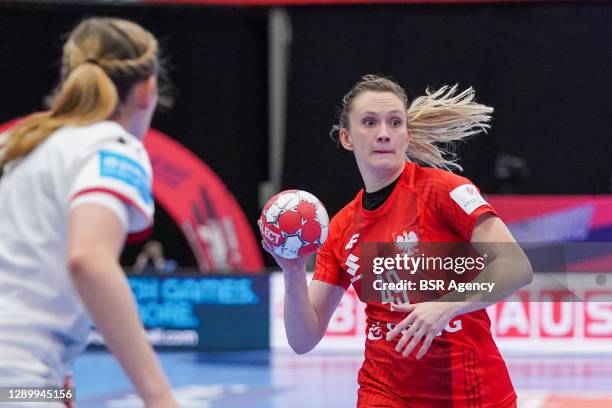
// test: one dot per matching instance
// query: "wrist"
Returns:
(455, 309)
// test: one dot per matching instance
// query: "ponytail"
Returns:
(87, 95)
(439, 118)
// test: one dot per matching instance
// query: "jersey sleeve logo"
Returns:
(127, 171)
(468, 198)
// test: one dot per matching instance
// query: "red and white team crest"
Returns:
(407, 241)
(471, 190)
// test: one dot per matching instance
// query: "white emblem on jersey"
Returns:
(407, 242)
(468, 198)
(352, 242)
(351, 262)
(375, 332)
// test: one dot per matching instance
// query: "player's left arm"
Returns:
(508, 268)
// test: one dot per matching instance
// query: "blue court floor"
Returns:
(283, 380)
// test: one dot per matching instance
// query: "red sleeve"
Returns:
(327, 267)
(459, 203)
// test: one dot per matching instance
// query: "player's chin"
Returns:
(384, 161)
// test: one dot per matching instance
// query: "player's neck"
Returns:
(377, 181)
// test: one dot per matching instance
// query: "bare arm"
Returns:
(308, 309)
(508, 265)
(96, 240)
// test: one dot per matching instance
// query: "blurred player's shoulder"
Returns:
(91, 136)
(77, 144)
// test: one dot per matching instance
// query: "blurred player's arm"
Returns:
(308, 309)
(96, 238)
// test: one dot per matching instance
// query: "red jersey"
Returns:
(463, 367)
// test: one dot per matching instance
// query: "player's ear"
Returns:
(345, 139)
(409, 137)
(145, 92)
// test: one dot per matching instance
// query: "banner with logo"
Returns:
(205, 313)
(531, 323)
(535, 320)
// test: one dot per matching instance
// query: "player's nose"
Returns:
(383, 134)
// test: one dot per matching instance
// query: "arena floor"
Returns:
(282, 380)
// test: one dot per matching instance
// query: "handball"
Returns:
(294, 223)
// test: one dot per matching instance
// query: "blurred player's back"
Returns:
(39, 304)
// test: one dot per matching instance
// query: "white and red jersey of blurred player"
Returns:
(43, 324)
(426, 205)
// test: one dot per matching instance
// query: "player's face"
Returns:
(378, 134)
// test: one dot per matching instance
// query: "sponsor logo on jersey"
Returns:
(351, 262)
(127, 171)
(468, 198)
(375, 328)
(375, 332)
(352, 242)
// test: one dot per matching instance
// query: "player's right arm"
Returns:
(308, 308)
(95, 242)
(110, 198)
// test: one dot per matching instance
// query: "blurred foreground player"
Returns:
(428, 354)
(76, 180)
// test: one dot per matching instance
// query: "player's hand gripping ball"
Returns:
(294, 223)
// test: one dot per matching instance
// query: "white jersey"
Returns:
(43, 323)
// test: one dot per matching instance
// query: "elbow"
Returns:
(300, 348)
(300, 351)
(304, 344)
(83, 260)
(527, 274)
(78, 263)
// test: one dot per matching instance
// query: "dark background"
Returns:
(544, 67)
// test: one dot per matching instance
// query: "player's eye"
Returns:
(369, 121)
(396, 122)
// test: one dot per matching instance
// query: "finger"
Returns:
(407, 335)
(413, 343)
(267, 247)
(401, 326)
(403, 341)
(428, 339)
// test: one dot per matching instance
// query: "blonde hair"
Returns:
(102, 59)
(435, 120)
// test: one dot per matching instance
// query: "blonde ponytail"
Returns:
(439, 118)
(87, 96)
